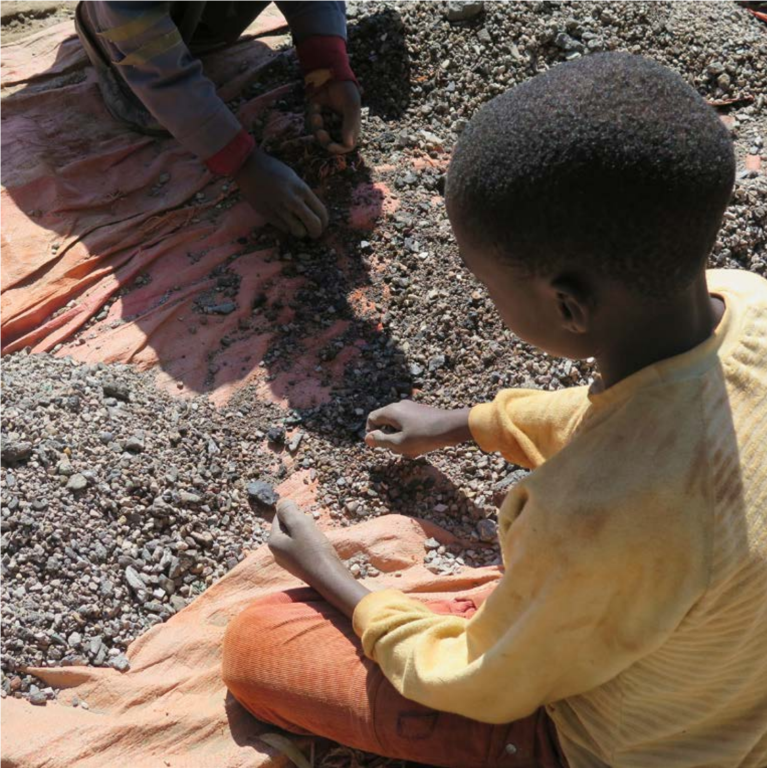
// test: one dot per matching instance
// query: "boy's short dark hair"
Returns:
(611, 163)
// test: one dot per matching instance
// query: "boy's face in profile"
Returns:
(534, 308)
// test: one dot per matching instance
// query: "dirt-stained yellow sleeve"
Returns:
(528, 426)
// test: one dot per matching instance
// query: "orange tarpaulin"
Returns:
(171, 708)
(100, 222)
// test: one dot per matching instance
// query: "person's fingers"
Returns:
(275, 219)
(315, 123)
(295, 226)
(308, 218)
(334, 148)
(314, 116)
(385, 416)
(287, 506)
(350, 129)
(277, 532)
(314, 120)
(323, 138)
(288, 514)
(378, 439)
(315, 204)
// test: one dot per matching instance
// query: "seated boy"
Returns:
(630, 625)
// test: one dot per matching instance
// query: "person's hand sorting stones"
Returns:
(146, 59)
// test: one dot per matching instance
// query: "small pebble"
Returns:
(120, 663)
(14, 451)
(77, 482)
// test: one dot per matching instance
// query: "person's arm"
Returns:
(319, 32)
(412, 429)
(526, 425)
(303, 550)
(578, 604)
(146, 47)
(309, 18)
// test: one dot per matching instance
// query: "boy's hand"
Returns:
(297, 543)
(343, 98)
(418, 429)
(276, 192)
(302, 549)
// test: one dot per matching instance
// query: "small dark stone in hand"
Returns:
(263, 493)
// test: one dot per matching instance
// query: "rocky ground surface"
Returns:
(121, 503)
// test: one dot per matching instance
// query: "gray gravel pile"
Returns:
(121, 503)
(427, 74)
(454, 67)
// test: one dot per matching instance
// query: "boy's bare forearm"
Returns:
(302, 549)
(328, 575)
(337, 585)
(457, 427)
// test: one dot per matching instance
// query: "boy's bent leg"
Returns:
(294, 661)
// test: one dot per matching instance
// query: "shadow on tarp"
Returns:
(130, 243)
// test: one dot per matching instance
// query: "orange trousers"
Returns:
(293, 660)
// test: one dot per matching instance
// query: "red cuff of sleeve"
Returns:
(229, 160)
(325, 52)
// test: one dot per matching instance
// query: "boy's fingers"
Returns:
(381, 417)
(373, 439)
(378, 439)
(277, 530)
(286, 508)
(288, 514)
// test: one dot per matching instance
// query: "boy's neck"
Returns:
(673, 329)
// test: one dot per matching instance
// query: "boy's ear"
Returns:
(575, 303)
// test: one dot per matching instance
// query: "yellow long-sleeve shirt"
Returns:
(634, 599)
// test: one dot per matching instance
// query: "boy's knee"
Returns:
(254, 643)
(241, 639)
